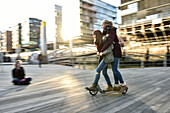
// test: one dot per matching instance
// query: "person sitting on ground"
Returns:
(18, 75)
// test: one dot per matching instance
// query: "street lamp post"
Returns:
(55, 46)
(18, 49)
(71, 43)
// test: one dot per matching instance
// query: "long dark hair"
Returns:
(98, 43)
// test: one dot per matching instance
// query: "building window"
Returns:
(30, 21)
(36, 21)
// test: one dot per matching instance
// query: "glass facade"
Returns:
(30, 34)
(82, 17)
(92, 12)
(58, 23)
(34, 32)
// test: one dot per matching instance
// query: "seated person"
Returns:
(19, 75)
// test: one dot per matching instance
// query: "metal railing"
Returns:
(66, 52)
(91, 62)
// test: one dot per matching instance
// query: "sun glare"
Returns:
(70, 19)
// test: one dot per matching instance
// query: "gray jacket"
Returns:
(108, 54)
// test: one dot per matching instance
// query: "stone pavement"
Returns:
(60, 89)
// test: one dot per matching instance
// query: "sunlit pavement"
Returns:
(60, 89)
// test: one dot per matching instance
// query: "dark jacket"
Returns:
(113, 37)
(18, 73)
(40, 57)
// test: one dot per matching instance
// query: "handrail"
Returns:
(83, 60)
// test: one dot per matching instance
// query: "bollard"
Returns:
(72, 62)
(79, 64)
(142, 62)
(43, 42)
(84, 62)
(165, 62)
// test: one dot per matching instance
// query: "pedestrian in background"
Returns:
(40, 58)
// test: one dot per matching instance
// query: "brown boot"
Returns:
(116, 87)
(109, 88)
(123, 88)
(93, 87)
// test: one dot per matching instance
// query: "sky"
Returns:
(18, 11)
(15, 11)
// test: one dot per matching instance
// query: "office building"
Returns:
(82, 17)
(145, 23)
(58, 23)
(92, 12)
(26, 34)
(6, 41)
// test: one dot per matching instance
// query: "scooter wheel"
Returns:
(124, 92)
(93, 93)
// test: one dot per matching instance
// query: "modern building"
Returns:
(145, 24)
(81, 17)
(58, 23)
(31, 33)
(6, 41)
(15, 36)
(26, 34)
(92, 12)
(1, 41)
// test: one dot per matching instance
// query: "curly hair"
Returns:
(107, 22)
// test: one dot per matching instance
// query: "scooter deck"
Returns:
(94, 92)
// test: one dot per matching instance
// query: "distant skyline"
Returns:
(18, 11)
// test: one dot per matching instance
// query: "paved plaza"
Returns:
(61, 89)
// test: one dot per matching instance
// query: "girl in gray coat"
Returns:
(105, 58)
